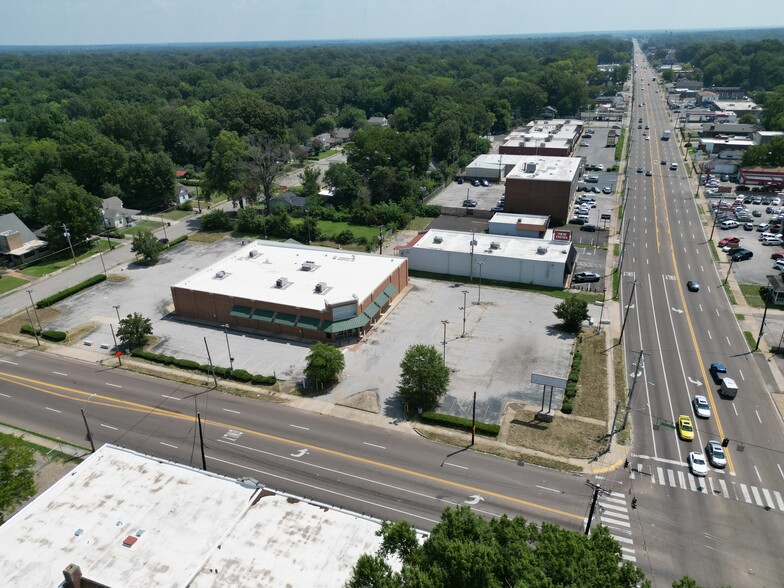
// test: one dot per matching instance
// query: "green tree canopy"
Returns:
(223, 174)
(134, 331)
(17, 474)
(572, 311)
(146, 244)
(324, 364)
(63, 205)
(424, 378)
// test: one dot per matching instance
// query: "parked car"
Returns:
(607, 190)
(595, 190)
(697, 464)
(485, 183)
(772, 241)
(729, 224)
(470, 203)
(777, 255)
(600, 166)
(756, 200)
(577, 221)
(762, 227)
(459, 180)
(583, 277)
(701, 407)
(716, 455)
(589, 228)
(756, 213)
(748, 226)
(728, 240)
(742, 255)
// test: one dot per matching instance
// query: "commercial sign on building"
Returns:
(560, 235)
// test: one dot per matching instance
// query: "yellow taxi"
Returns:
(685, 428)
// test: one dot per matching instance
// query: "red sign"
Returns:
(559, 235)
(118, 353)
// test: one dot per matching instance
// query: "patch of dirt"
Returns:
(367, 401)
(204, 237)
(591, 399)
(564, 437)
(12, 324)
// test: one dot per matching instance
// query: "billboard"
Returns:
(561, 235)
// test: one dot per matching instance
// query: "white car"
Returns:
(776, 202)
(600, 167)
(701, 407)
(775, 240)
(697, 464)
(716, 455)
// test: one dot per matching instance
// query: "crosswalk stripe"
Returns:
(661, 475)
(671, 476)
(692, 485)
(610, 522)
(745, 492)
(681, 480)
(630, 558)
(622, 539)
(768, 499)
(702, 486)
(712, 488)
(618, 507)
(617, 515)
(618, 495)
(756, 494)
(606, 499)
(724, 489)
(779, 501)
(628, 550)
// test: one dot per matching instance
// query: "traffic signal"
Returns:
(634, 503)
(725, 442)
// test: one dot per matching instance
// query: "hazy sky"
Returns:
(91, 22)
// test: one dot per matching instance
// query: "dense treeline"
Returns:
(91, 124)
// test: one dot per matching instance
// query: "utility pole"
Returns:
(445, 323)
(715, 212)
(35, 331)
(231, 359)
(163, 223)
(727, 277)
(626, 314)
(596, 491)
(473, 420)
(631, 390)
(67, 235)
(380, 239)
(201, 442)
(762, 326)
(209, 358)
(601, 312)
(479, 297)
(116, 350)
(465, 293)
(89, 434)
(35, 312)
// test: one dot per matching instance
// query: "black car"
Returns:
(470, 203)
(648, 172)
(640, 170)
(475, 183)
(577, 221)
(584, 277)
(163, 241)
(589, 228)
(742, 255)
(693, 286)
(459, 180)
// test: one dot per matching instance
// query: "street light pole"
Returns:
(380, 239)
(67, 235)
(479, 297)
(35, 312)
(35, 333)
(231, 359)
(465, 293)
(164, 229)
(445, 323)
(116, 308)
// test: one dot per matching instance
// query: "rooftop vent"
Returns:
(321, 287)
(495, 245)
(438, 239)
(541, 250)
(253, 253)
(219, 275)
(530, 167)
(281, 282)
(308, 266)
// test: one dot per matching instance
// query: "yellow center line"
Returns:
(138, 407)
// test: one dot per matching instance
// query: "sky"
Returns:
(122, 22)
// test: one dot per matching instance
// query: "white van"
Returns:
(729, 224)
(729, 389)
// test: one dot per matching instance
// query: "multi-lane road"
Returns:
(725, 528)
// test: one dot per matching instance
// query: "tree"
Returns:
(147, 245)
(134, 331)
(147, 180)
(465, 551)
(223, 173)
(17, 476)
(310, 181)
(63, 203)
(424, 377)
(572, 312)
(266, 158)
(216, 220)
(324, 363)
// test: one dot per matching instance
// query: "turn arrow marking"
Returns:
(695, 382)
(678, 310)
(474, 499)
(300, 453)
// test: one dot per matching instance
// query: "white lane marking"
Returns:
(60, 373)
(232, 411)
(780, 470)
(717, 312)
(372, 445)
(757, 497)
(298, 427)
(671, 476)
(702, 269)
(691, 483)
(735, 409)
(109, 427)
(681, 480)
(728, 341)
(7, 396)
(741, 375)
(53, 409)
(745, 492)
(661, 475)
(9, 361)
(169, 445)
(454, 465)
(758, 474)
(758, 416)
(768, 499)
(724, 489)
(170, 397)
(113, 385)
(779, 501)
(710, 336)
(546, 488)
(700, 306)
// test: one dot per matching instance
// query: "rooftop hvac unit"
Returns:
(308, 266)
(548, 138)
(542, 145)
(321, 287)
(281, 282)
(541, 250)
(530, 167)
(495, 245)
(220, 275)
(253, 253)
(438, 239)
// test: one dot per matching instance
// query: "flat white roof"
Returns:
(507, 246)
(492, 160)
(507, 218)
(191, 528)
(736, 105)
(557, 169)
(251, 272)
(734, 141)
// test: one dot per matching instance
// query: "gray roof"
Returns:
(289, 199)
(114, 204)
(11, 222)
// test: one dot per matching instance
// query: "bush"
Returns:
(29, 330)
(187, 364)
(217, 220)
(113, 234)
(344, 237)
(55, 336)
(262, 380)
(62, 294)
(241, 375)
(186, 206)
(455, 422)
(178, 240)
(566, 407)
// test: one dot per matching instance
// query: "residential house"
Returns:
(548, 112)
(115, 215)
(18, 244)
(288, 200)
(378, 121)
(183, 195)
(342, 134)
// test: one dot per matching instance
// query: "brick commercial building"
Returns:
(542, 186)
(291, 290)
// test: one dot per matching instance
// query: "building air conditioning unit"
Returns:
(308, 266)
(281, 282)
(253, 253)
(220, 275)
(530, 167)
(321, 287)
(495, 245)
(438, 239)
(541, 250)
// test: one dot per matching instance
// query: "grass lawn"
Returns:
(208, 236)
(419, 223)
(176, 214)
(144, 224)
(751, 340)
(63, 259)
(9, 283)
(730, 295)
(752, 295)
(324, 154)
(330, 229)
(591, 399)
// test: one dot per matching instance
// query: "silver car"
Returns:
(716, 455)
(697, 464)
(701, 407)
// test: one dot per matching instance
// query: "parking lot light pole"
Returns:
(465, 293)
(116, 308)
(231, 359)
(445, 323)
(479, 296)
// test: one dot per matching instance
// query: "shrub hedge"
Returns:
(455, 422)
(223, 372)
(56, 336)
(571, 382)
(29, 330)
(178, 240)
(62, 294)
